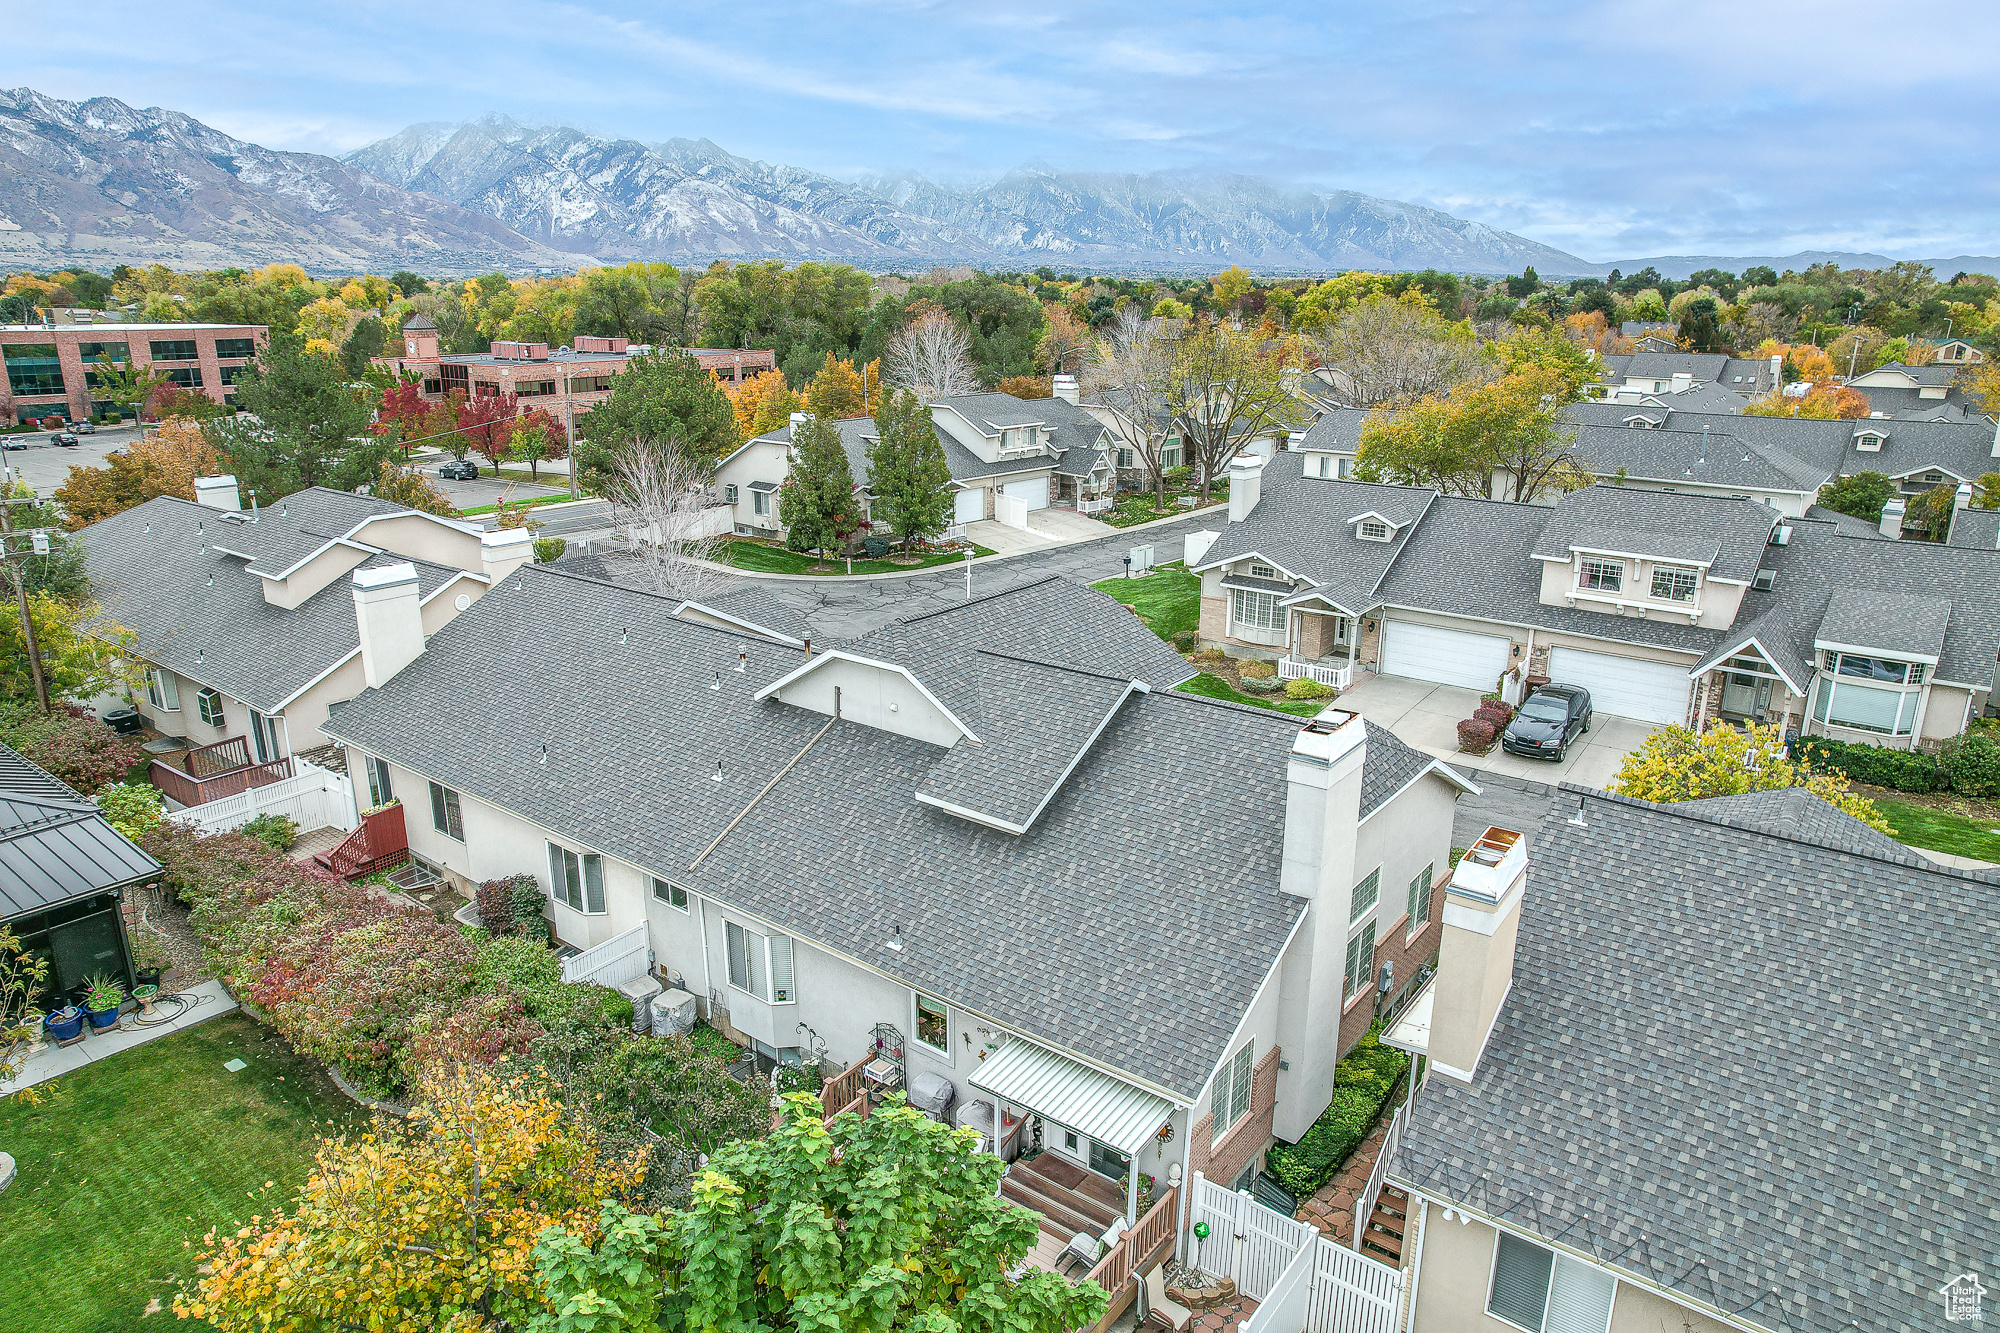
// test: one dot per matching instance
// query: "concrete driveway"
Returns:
(1426, 716)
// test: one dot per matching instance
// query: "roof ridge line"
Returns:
(1054, 666)
(1676, 809)
(974, 601)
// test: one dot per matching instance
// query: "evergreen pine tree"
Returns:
(907, 471)
(817, 502)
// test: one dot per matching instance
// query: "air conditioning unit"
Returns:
(1142, 559)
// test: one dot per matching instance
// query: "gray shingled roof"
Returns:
(1962, 448)
(291, 531)
(1736, 529)
(149, 572)
(1390, 766)
(1302, 525)
(1909, 404)
(1653, 545)
(1676, 454)
(1737, 1061)
(1078, 932)
(760, 607)
(856, 433)
(1846, 524)
(1796, 812)
(1665, 365)
(1976, 528)
(1819, 561)
(1339, 430)
(1898, 622)
(55, 845)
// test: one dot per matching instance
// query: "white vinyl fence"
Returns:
(622, 958)
(313, 797)
(1304, 1283)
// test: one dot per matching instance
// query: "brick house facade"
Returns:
(49, 366)
(1243, 1146)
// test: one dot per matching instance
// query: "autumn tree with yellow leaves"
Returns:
(1680, 764)
(762, 403)
(414, 1228)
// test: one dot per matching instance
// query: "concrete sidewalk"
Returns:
(208, 1000)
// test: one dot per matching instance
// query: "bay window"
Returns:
(576, 879)
(760, 965)
(1257, 610)
(1869, 694)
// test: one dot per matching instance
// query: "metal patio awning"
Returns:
(1073, 1095)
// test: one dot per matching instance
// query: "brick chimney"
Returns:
(1482, 915)
(1892, 518)
(390, 620)
(217, 492)
(1246, 484)
(1322, 821)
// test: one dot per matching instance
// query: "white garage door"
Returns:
(1447, 656)
(968, 506)
(1623, 687)
(1035, 492)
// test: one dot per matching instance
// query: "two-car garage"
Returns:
(1619, 686)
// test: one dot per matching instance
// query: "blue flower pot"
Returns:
(100, 1019)
(64, 1024)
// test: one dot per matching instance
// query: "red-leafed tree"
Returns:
(486, 424)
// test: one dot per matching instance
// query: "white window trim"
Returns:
(1602, 565)
(1493, 1277)
(1221, 1129)
(159, 685)
(941, 1053)
(559, 892)
(441, 806)
(202, 698)
(770, 963)
(1373, 530)
(1669, 571)
(1357, 914)
(1364, 985)
(1237, 621)
(382, 792)
(1418, 924)
(684, 906)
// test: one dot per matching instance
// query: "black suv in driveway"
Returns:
(1549, 720)
(460, 469)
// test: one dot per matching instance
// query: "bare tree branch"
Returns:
(1128, 370)
(931, 356)
(1395, 353)
(657, 495)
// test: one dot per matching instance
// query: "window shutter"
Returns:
(781, 970)
(1520, 1282)
(593, 882)
(1579, 1298)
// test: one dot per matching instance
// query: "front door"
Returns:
(1745, 696)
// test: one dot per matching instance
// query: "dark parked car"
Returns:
(1552, 717)
(66, 440)
(460, 469)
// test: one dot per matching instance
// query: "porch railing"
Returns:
(189, 790)
(206, 761)
(844, 1089)
(382, 841)
(1364, 1207)
(1137, 1251)
(1097, 506)
(1339, 677)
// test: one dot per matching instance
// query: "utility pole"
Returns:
(569, 427)
(21, 597)
(1852, 354)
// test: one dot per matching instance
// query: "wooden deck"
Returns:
(1068, 1198)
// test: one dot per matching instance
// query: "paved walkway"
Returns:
(205, 1001)
(1224, 1317)
(1331, 1208)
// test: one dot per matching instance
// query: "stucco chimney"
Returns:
(391, 622)
(217, 492)
(1246, 482)
(1962, 498)
(1065, 389)
(1683, 381)
(1482, 916)
(799, 419)
(1322, 822)
(504, 550)
(1892, 518)
(1777, 371)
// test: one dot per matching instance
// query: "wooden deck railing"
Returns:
(206, 761)
(1137, 1251)
(188, 789)
(382, 841)
(843, 1090)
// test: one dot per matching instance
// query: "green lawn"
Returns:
(126, 1158)
(1941, 830)
(530, 500)
(1168, 599)
(1215, 687)
(770, 559)
(1138, 508)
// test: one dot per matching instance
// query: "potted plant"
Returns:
(145, 996)
(65, 1025)
(150, 958)
(101, 1001)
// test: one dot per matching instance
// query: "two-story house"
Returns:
(1673, 373)
(1712, 1066)
(1650, 599)
(1916, 393)
(989, 846)
(243, 620)
(1008, 457)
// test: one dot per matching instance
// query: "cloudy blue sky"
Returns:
(1610, 129)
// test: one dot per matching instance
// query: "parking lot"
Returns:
(45, 466)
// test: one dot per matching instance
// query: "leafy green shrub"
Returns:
(797, 1078)
(134, 808)
(875, 548)
(1362, 1083)
(1876, 765)
(1305, 687)
(1971, 763)
(508, 906)
(1261, 685)
(549, 548)
(1184, 641)
(277, 832)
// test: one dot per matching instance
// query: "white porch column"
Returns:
(1132, 1193)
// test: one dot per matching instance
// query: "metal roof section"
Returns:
(1073, 1095)
(55, 845)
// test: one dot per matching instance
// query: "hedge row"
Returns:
(371, 988)
(1362, 1083)
(1969, 765)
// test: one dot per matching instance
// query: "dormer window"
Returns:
(1870, 441)
(1603, 575)
(1372, 530)
(1262, 571)
(1673, 584)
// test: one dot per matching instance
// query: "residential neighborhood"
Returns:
(784, 793)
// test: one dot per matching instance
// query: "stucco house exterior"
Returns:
(942, 843)
(1633, 1117)
(1669, 607)
(1035, 451)
(244, 620)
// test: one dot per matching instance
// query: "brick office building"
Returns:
(575, 378)
(49, 367)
